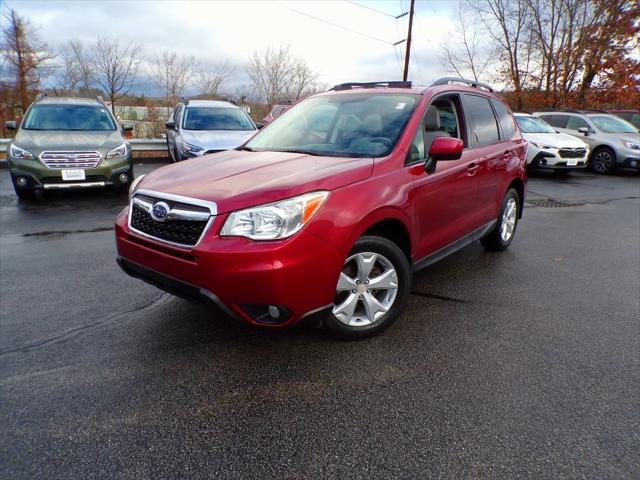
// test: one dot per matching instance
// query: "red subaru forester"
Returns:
(325, 213)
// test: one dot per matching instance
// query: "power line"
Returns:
(299, 12)
(369, 8)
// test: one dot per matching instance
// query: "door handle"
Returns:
(472, 169)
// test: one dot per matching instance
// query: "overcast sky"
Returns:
(219, 30)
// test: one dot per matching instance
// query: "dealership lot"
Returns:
(523, 363)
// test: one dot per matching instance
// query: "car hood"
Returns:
(239, 179)
(37, 141)
(217, 139)
(556, 140)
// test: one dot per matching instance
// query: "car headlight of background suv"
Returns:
(119, 151)
(192, 149)
(20, 153)
(632, 145)
(274, 221)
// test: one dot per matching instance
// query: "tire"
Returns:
(603, 160)
(500, 238)
(385, 304)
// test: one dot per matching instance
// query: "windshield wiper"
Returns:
(245, 149)
(304, 152)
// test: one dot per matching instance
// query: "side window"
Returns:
(575, 123)
(484, 127)
(505, 119)
(558, 121)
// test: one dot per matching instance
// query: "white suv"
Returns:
(550, 149)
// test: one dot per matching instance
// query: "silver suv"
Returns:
(200, 127)
(613, 141)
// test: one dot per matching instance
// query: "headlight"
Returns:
(193, 149)
(119, 151)
(17, 152)
(275, 220)
(632, 145)
(134, 185)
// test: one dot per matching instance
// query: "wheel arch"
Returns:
(390, 224)
(518, 184)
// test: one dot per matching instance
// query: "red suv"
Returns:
(327, 212)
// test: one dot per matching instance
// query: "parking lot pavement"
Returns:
(520, 364)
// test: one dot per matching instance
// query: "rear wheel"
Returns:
(372, 290)
(502, 234)
(603, 160)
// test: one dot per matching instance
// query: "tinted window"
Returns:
(213, 118)
(558, 121)
(79, 118)
(507, 126)
(484, 128)
(574, 123)
(345, 125)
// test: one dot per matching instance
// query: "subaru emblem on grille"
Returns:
(160, 211)
(71, 156)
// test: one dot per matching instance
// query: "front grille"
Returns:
(184, 225)
(70, 159)
(572, 152)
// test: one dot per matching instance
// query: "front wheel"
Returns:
(603, 160)
(372, 290)
(502, 234)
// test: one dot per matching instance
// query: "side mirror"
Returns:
(127, 126)
(446, 148)
(170, 125)
(11, 125)
(260, 125)
(584, 131)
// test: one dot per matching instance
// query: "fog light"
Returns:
(274, 312)
(21, 181)
(123, 178)
(634, 163)
(543, 161)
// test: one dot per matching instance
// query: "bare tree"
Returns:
(275, 73)
(83, 64)
(210, 80)
(26, 58)
(466, 52)
(70, 75)
(172, 73)
(116, 67)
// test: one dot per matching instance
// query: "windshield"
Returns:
(214, 118)
(81, 118)
(611, 124)
(345, 125)
(533, 125)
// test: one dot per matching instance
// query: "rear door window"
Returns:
(482, 121)
(505, 119)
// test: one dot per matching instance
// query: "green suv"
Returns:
(68, 143)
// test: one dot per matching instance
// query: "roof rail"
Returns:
(389, 84)
(184, 100)
(40, 96)
(230, 100)
(471, 83)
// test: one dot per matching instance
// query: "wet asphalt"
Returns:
(522, 364)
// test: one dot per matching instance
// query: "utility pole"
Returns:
(408, 51)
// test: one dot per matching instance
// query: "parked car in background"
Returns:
(614, 142)
(276, 111)
(326, 213)
(549, 149)
(68, 143)
(631, 116)
(200, 127)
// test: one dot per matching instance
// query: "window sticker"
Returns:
(400, 106)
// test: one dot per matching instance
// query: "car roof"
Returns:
(69, 101)
(211, 104)
(416, 91)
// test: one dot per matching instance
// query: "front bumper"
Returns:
(39, 176)
(546, 159)
(631, 162)
(243, 278)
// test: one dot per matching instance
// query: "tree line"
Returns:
(550, 53)
(112, 68)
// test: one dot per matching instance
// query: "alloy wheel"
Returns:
(509, 217)
(602, 161)
(366, 290)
